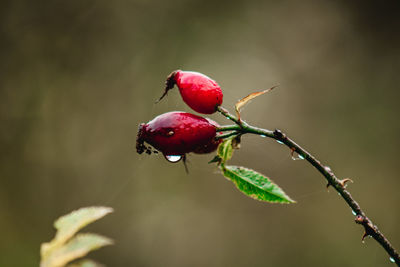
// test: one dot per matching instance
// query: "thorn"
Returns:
(359, 219)
(364, 236)
(292, 149)
(327, 186)
(344, 181)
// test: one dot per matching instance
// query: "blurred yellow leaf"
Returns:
(85, 263)
(77, 247)
(65, 247)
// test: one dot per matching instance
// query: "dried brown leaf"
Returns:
(242, 102)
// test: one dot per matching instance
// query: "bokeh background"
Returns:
(77, 77)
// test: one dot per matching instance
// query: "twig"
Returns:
(361, 218)
(223, 136)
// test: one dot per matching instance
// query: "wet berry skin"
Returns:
(177, 133)
(199, 92)
(210, 146)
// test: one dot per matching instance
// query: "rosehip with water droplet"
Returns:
(178, 133)
(199, 91)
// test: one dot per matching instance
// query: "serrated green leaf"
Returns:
(70, 224)
(85, 263)
(225, 150)
(255, 185)
(77, 247)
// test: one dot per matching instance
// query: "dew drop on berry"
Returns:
(263, 135)
(391, 259)
(353, 212)
(279, 142)
(173, 158)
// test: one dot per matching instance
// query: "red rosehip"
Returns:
(199, 92)
(177, 133)
(210, 146)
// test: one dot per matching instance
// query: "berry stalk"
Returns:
(361, 218)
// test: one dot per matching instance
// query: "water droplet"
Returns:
(263, 135)
(299, 157)
(280, 142)
(354, 213)
(391, 259)
(173, 158)
(339, 194)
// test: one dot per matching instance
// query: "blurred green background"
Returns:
(77, 77)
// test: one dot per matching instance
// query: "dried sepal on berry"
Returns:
(198, 91)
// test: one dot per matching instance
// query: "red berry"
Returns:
(210, 146)
(199, 92)
(177, 133)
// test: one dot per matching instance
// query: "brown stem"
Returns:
(361, 218)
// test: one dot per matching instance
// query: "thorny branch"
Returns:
(361, 218)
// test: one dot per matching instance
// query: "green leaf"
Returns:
(85, 263)
(71, 223)
(255, 185)
(225, 150)
(250, 182)
(77, 247)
